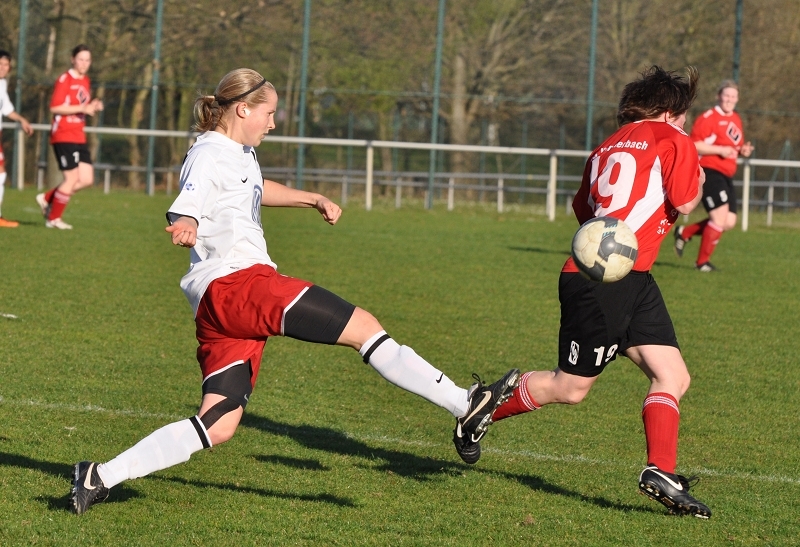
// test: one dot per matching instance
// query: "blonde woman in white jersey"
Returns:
(240, 300)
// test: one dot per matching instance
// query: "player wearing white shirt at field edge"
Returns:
(7, 110)
(240, 300)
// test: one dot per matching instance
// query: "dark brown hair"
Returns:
(80, 47)
(657, 91)
(242, 85)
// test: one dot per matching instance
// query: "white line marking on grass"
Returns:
(88, 408)
(570, 458)
(9, 316)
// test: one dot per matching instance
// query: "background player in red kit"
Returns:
(645, 174)
(71, 103)
(719, 139)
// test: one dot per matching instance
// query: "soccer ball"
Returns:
(604, 249)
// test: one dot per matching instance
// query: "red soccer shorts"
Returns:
(2, 157)
(239, 312)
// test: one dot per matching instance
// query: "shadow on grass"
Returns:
(404, 464)
(61, 471)
(541, 485)
(123, 492)
(322, 498)
(297, 463)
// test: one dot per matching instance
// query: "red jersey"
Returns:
(638, 175)
(69, 91)
(716, 127)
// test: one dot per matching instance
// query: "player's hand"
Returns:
(26, 127)
(328, 209)
(184, 232)
(96, 105)
(729, 152)
(747, 149)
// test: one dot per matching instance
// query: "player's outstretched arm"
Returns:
(26, 126)
(184, 231)
(278, 195)
(705, 149)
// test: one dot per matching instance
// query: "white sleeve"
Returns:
(6, 106)
(198, 187)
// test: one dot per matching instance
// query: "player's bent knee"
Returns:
(685, 381)
(234, 385)
(222, 431)
(574, 397)
(360, 328)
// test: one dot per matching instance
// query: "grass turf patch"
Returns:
(101, 353)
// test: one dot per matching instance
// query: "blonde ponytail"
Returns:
(240, 85)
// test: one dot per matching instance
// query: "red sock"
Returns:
(519, 402)
(58, 205)
(661, 417)
(49, 195)
(711, 235)
(691, 230)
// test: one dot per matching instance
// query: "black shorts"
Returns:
(601, 320)
(718, 190)
(69, 155)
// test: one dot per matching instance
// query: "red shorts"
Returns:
(2, 157)
(239, 312)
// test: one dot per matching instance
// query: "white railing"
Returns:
(501, 189)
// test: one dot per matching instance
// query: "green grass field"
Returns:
(101, 353)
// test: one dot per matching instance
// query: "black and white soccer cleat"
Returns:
(705, 267)
(671, 491)
(87, 488)
(680, 243)
(483, 401)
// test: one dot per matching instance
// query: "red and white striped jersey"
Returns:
(716, 127)
(69, 90)
(639, 175)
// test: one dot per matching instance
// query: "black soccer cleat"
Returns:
(87, 488)
(705, 267)
(483, 401)
(671, 491)
(680, 243)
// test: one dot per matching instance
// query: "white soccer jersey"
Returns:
(6, 106)
(221, 188)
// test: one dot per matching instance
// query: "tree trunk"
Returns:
(290, 106)
(137, 113)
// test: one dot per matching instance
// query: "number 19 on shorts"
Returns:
(603, 356)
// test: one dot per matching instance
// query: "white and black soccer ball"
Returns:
(604, 249)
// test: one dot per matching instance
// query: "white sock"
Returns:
(2, 189)
(165, 447)
(401, 366)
